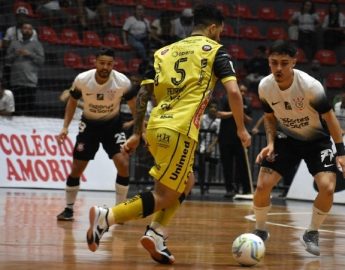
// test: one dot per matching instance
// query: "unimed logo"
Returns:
(181, 162)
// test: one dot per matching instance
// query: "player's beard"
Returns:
(103, 73)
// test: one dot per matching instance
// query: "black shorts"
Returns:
(317, 154)
(93, 132)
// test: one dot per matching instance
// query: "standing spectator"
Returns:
(208, 145)
(232, 153)
(25, 57)
(162, 30)
(339, 109)
(14, 33)
(308, 22)
(136, 32)
(53, 13)
(6, 102)
(102, 90)
(184, 24)
(333, 27)
(93, 12)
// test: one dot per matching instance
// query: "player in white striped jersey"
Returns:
(297, 103)
(101, 90)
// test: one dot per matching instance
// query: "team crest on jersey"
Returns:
(206, 48)
(299, 104)
(164, 51)
(100, 96)
(80, 147)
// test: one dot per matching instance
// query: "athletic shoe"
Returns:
(154, 243)
(98, 226)
(310, 240)
(66, 214)
(264, 235)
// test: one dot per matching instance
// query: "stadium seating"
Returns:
(237, 52)
(267, 13)
(114, 41)
(228, 31)
(120, 65)
(89, 61)
(73, 60)
(133, 65)
(48, 34)
(250, 32)
(335, 80)
(25, 8)
(69, 36)
(91, 39)
(326, 57)
(276, 32)
(301, 58)
(242, 11)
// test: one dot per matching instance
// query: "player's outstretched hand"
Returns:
(63, 134)
(131, 144)
(266, 153)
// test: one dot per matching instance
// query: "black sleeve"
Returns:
(75, 93)
(132, 92)
(223, 65)
(265, 106)
(150, 72)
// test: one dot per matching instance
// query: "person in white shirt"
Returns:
(102, 90)
(183, 25)
(296, 103)
(7, 106)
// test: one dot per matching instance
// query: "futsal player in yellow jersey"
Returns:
(182, 81)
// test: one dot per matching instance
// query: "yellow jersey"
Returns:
(184, 77)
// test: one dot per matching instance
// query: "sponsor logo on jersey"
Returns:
(287, 106)
(183, 53)
(295, 123)
(206, 48)
(163, 140)
(181, 162)
(298, 101)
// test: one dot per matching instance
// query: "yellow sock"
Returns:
(128, 210)
(163, 217)
(141, 205)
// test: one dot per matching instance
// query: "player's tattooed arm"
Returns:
(270, 123)
(143, 97)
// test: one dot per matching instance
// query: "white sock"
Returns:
(317, 219)
(261, 216)
(120, 193)
(71, 195)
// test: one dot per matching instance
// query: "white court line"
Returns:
(252, 218)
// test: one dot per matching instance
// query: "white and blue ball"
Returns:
(248, 249)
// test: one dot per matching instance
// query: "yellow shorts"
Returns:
(173, 153)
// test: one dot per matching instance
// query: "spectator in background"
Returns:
(93, 12)
(6, 102)
(162, 30)
(136, 32)
(14, 33)
(256, 68)
(334, 27)
(184, 24)
(308, 22)
(208, 139)
(25, 57)
(316, 72)
(339, 109)
(54, 14)
(232, 153)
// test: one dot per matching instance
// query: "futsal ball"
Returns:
(248, 249)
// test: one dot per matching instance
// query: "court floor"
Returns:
(200, 236)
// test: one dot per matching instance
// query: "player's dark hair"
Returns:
(106, 51)
(205, 15)
(283, 47)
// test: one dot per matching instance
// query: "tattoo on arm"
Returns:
(267, 170)
(270, 128)
(143, 97)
